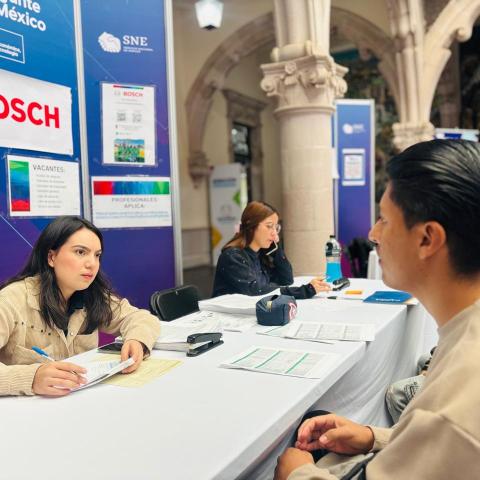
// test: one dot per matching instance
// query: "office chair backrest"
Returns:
(173, 303)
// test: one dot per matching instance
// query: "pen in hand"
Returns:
(43, 353)
(57, 378)
(47, 356)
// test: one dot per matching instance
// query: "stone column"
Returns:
(406, 134)
(408, 29)
(305, 81)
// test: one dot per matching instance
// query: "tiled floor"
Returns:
(202, 278)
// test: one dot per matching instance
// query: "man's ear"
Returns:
(433, 238)
(51, 257)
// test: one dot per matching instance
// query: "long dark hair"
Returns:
(439, 180)
(254, 213)
(97, 296)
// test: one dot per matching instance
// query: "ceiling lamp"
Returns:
(209, 13)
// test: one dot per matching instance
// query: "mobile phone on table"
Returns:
(115, 347)
(340, 283)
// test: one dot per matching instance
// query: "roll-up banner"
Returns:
(228, 198)
(354, 142)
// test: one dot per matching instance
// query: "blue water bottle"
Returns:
(333, 252)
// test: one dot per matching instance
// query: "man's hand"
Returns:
(57, 378)
(132, 348)
(291, 459)
(319, 284)
(334, 433)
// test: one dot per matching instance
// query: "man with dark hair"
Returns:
(428, 242)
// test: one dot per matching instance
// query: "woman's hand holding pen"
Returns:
(58, 378)
(319, 284)
(132, 348)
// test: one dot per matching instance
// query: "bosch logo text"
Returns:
(33, 112)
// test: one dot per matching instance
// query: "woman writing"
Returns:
(58, 303)
(252, 262)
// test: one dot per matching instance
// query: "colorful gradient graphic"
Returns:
(130, 87)
(19, 186)
(140, 187)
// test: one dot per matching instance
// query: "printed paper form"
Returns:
(149, 370)
(320, 332)
(274, 331)
(100, 371)
(331, 331)
(282, 332)
(283, 362)
(236, 323)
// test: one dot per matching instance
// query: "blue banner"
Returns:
(354, 131)
(37, 40)
(124, 44)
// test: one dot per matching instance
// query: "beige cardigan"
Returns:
(21, 327)
(438, 434)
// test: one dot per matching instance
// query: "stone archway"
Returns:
(257, 34)
(455, 22)
(252, 36)
(369, 39)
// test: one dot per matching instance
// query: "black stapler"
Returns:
(202, 342)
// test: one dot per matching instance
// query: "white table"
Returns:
(360, 393)
(201, 421)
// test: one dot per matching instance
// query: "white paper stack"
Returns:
(235, 303)
(173, 335)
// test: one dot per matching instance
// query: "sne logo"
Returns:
(128, 43)
(110, 43)
(351, 128)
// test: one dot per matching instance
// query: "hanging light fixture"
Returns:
(209, 13)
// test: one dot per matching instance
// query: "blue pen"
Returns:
(43, 354)
(47, 356)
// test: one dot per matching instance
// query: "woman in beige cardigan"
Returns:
(58, 303)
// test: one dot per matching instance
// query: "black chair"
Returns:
(358, 252)
(173, 303)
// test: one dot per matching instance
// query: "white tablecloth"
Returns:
(201, 421)
(360, 393)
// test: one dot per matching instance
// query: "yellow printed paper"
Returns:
(149, 370)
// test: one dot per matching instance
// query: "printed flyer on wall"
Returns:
(128, 124)
(119, 202)
(40, 187)
(353, 167)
